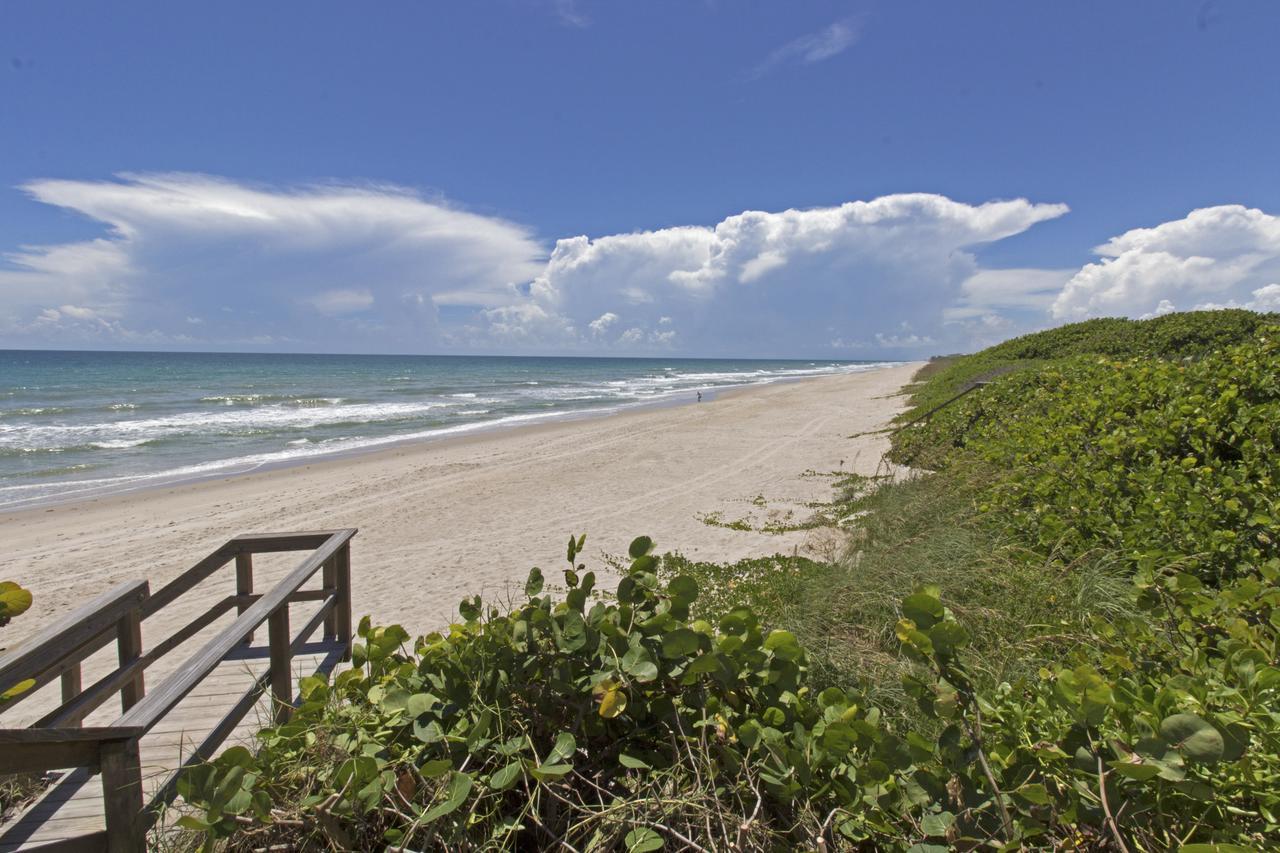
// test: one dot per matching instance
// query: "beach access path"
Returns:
(440, 520)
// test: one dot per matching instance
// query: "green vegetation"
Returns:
(15, 790)
(1066, 636)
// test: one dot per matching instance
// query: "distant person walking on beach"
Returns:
(699, 396)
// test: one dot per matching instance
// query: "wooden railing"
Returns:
(57, 741)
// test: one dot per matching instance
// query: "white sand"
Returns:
(441, 520)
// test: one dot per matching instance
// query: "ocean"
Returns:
(84, 424)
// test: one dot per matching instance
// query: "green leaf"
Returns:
(633, 762)
(948, 637)
(505, 777)
(683, 589)
(435, 768)
(923, 609)
(1139, 771)
(784, 645)
(638, 663)
(642, 839)
(563, 749)
(455, 795)
(533, 585)
(1196, 739)
(1034, 793)
(550, 772)
(640, 546)
(194, 823)
(420, 703)
(680, 642)
(936, 825)
(14, 600)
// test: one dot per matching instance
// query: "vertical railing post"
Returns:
(329, 581)
(342, 608)
(281, 663)
(122, 796)
(244, 585)
(71, 682)
(129, 645)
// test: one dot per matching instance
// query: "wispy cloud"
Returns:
(570, 13)
(830, 41)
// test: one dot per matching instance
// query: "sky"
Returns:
(859, 180)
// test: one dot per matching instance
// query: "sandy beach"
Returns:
(440, 520)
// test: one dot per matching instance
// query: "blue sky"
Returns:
(420, 177)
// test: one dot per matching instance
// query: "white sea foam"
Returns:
(265, 427)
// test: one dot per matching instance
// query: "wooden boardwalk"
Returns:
(216, 697)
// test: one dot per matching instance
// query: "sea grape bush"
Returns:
(619, 724)
(1155, 460)
(654, 719)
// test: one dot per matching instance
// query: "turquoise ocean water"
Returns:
(82, 424)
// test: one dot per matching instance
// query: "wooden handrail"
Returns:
(72, 638)
(114, 750)
(40, 750)
(171, 691)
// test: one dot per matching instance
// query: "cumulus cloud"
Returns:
(200, 262)
(332, 267)
(1224, 256)
(786, 281)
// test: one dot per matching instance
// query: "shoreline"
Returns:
(472, 514)
(225, 468)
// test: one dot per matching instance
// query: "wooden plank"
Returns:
(129, 647)
(266, 543)
(143, 767)
(244, 585)
(72, 683)
(89, 843)
(281, 655)
(48, 647)
(342, 608)
(178, 685)
(329, 583)
(188, 579)
(122, 797)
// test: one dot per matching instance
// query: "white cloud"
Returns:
(602, 323)
(830, 41)
(334, 266)
(1213, 257)
(784, 282)
(195, 261)
(341, 301)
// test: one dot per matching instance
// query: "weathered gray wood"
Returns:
(71, 817)
(68, 637)
(265, 543)
(129, 642)
(95, 734)
(94, 842)
(329, 583)
(172, 689)
(281, 663)
(72, 683)
(122, 797)
(38, 750)
(244, 585)
(342, 608)
(168, 593)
